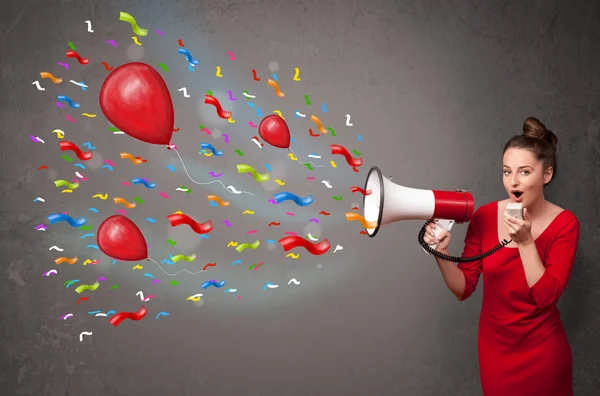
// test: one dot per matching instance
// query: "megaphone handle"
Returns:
(441, 224)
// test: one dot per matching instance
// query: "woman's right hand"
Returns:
(443, 238)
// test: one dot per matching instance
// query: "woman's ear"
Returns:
(548, 175)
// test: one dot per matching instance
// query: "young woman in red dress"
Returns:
(522, 345)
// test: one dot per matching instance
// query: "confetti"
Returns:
(317, 121)
(89, 333)
(218, 200)
(81, 155)
(252, 246)
(198, 228)
(73, 54)
(287, 196)
(211, 100)
(136, 160)
(128, 205)
(276, 88)
(51, 77)
(350, 216)
(259, 177)
(118, 318)
(292, 242)
(348, 123)
(125, 17)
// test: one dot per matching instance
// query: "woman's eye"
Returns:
(526, 172)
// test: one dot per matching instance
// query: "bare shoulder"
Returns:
(502, 204)
(554, 210)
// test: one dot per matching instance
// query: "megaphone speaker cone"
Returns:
(390, 202)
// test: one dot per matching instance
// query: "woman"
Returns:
(522, 345)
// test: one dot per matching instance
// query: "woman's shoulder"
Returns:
(485, 213)
(564, 223)
(564, 216)
(486, 210)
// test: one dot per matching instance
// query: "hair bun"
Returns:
(534, 128)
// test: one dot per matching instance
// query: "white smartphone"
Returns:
(515, 209)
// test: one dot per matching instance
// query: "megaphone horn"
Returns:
(389, 202)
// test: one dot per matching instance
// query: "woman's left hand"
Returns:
(519, 230)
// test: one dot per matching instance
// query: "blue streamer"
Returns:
(76, 223)
(220, 284)
(288, 196)
(138, 180)
(208, 146)
(188, 56)
(68, 100)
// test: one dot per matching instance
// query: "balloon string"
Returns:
(298, 161)
(183, 270)
(233, 189)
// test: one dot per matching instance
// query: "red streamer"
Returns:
(82, 155)
(73, 54)
(362, 191)
(211, 100)
(316, 249)
(341, 150)
(121, 316)
(199, 228)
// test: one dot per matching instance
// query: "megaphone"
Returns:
(388, 202)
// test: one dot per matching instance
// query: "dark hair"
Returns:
(539, 140)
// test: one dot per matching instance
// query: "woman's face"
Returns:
(524, 176)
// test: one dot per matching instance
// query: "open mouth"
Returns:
(517, 194)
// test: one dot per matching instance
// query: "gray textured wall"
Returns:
(435, 90)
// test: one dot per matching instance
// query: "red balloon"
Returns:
(274, 130)
(119, 238)
(135, 99)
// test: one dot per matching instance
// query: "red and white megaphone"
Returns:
(389, 202)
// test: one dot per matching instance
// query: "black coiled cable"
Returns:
(457, 259)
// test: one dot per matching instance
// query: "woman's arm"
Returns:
(532, 263)
(453, 276)
(462, 279)
(558, 266)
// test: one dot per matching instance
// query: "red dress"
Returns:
(522, 345)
